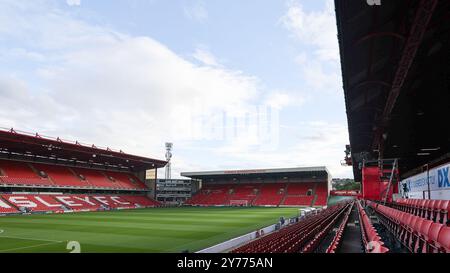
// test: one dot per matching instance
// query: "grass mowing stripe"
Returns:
(143, 230)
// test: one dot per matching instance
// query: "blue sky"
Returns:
(233, 84)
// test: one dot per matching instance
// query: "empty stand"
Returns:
(28, 174)
(20, 173)
(142, 201)
(97, 178)
(260, 194)
(303, 236)
(416, 233)
(434, 210)
(371, 239)
(76, 202)
(33, 202)
(298, 200)
(321, 194)
(270, 194)
(61, 176)
(6, 208)
(125, 181)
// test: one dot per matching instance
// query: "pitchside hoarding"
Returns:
(436, 181)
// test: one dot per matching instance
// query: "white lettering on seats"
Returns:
(22, 201)
(67, 201)
(85, 199)
(45, 203)
(116, 199)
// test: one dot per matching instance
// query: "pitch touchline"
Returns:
(32, 239)
(25, 247)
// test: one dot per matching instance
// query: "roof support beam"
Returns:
(379, 34)
(419, 26)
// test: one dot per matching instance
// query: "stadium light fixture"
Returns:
(430, 149)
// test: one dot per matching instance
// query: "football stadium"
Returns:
(60, 195)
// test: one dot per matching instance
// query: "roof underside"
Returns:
(395, 62)
(303, 172)
(15, 145)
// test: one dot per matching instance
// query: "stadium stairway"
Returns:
(351, 236)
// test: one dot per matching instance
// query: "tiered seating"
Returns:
(212, 195)
(142, 201)
(297, 194)
(97, 178)
(125, 181)
(416, 233)
(78, 202)
(322, 194)
(244, 193)
(270, 194)
(325, 229)
(340, 230)
(435, 210)
(61, 176)
(299, 237)
(6, 208)
(33, 202)
(113, 201)
(299, 188)
(371, 240)
(20, 173)
(299, 200)
(75, 202)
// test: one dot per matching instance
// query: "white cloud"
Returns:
(101, 86)
(316, 28)
(73, 2)
(205, 57)
(196, 11)
(316, 32)
(318, 143)
(109, 88)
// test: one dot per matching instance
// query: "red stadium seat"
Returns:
(433, 235)
(443, 240)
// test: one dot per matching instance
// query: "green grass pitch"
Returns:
(142, 230)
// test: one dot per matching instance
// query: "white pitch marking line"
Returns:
(31, 239)
(25, 247)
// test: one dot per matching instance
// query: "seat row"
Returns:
(339, 232)
(435, 210)
(325, 229)
(17, 203)
(298, 237)
(260, 194)
(417, 234)
(371, 239)
(39, 174)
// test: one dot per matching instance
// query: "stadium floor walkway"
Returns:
(351, 240)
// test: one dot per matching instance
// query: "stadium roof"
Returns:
(395, 67)
(15, 143)
(304, 171)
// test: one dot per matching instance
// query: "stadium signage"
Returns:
(244, 171)
(435, 179)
